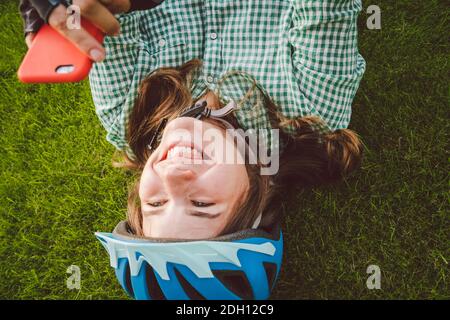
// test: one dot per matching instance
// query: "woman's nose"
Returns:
(176, 177)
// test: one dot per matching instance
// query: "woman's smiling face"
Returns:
(187, 190)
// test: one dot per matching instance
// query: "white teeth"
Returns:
(183, 152)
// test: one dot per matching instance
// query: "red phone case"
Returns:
(50, 51)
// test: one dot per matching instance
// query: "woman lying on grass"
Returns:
(290, 65)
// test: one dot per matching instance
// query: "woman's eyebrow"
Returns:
(205, 214)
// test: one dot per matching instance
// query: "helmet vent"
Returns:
(154, 290)
(188, 288)
(129, 287)
(236, 281)
(271, 271)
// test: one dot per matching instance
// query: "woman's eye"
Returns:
(201, 204)
(157, 203)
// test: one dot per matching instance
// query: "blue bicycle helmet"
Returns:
(240, 266)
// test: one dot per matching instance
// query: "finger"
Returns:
(80, 37)
(29, 39)
(99, 15)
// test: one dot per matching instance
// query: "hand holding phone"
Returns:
(52, 58)
(60, 54)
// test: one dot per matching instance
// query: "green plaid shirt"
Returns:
(302, 53)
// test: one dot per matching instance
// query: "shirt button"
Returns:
(162, 42)
(213, 36)
(210, 79)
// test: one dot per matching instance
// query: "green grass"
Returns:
(57, 185)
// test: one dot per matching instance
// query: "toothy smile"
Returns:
(184, 152)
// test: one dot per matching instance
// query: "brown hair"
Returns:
(309, 158)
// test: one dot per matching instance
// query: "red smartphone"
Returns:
(54, 59)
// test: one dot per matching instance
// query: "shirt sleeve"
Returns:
(325, 56)
(32, 22)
